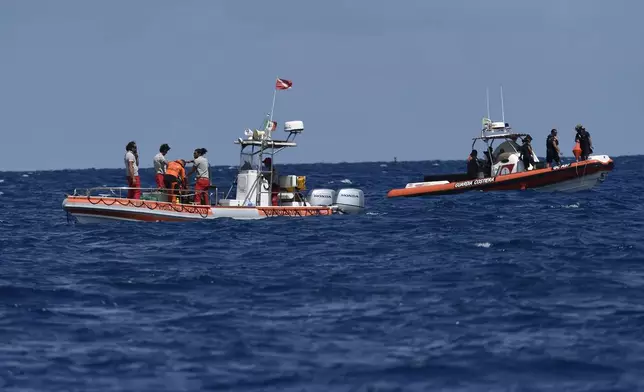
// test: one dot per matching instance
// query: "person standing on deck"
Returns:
(132, 171)
(473, 165)
(585, 142)
(160, 165)
(270, 169)
(526, 153)
(202, 185)
(552, 148)
(489, 162)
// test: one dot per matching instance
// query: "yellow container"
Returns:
(301, 182)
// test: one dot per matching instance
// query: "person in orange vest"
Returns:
(175, 177)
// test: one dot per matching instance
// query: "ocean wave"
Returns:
(474, 291)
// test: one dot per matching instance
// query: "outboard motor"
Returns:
(322, 197)
(350, 201)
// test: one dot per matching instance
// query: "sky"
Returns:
(372, 79)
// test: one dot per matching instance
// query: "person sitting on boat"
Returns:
(585, 142)
(160, 164)
(526, 153)
(132, 171)
(175, 177)
(473, 165)
(202, 185)
(552, 148)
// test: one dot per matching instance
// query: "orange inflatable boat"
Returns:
(504, 170)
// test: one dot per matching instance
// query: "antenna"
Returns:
(487, 99)
(502, 109)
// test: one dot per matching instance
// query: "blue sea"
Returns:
(508, 291)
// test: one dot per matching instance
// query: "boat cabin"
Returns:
(258, 182)
(505, 157)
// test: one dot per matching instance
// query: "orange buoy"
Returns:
(577, 150)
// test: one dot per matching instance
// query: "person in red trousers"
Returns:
(160, 165)
(200, 166)
(132, 171)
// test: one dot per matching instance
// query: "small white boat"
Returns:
(258, 194)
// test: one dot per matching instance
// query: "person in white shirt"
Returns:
(132, 171)
(160, 165)
(201, 167)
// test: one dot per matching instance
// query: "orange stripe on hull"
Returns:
(294, 211)
(160, 211)
(143, 204)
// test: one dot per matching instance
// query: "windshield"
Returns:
(249, 160)
(507, 146)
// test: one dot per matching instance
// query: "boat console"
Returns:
(259, 184)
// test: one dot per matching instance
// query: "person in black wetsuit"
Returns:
(489, 162)
(585, 142)
(526, 152)
(552, 148)
(473, 165)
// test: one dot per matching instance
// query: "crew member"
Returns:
(268, 166)
(552, 148)
(584, 140)
(490, 153)
(200, 166)
(132, 171)
(473, 165)
(275, 187)
(160, 164)
(526, 152)
(489, 161)
(175, 177)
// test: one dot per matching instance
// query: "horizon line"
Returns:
(280, 164)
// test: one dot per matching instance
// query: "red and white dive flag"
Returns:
(283, 84)
(270, 126)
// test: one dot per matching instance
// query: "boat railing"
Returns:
(152, 194)
(115, 191)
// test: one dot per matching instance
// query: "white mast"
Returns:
(502, 109)
(487, 100)
(273, 106)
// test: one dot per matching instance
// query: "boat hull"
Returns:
(96, 209)
(573, 177)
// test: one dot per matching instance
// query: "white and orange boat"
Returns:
(507, 172)
(255, 196)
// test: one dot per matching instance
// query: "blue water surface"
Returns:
(515, 290)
